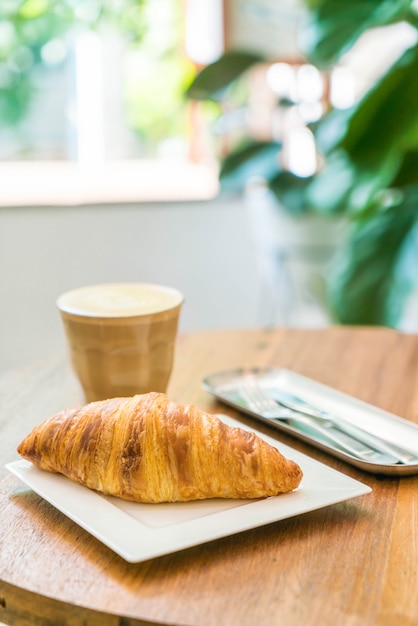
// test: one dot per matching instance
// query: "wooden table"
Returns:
(354, 563)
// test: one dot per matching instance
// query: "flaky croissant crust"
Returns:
(150, 449)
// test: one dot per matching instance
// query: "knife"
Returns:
(296, 403)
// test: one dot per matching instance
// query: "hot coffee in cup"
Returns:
(121, 337)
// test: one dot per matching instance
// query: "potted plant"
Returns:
(369, 159)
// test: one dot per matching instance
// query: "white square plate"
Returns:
(138, 532)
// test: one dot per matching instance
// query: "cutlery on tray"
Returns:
(281, 405)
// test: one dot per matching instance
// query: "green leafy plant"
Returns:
(369, 156)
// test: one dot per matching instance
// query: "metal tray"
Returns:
(225, 386)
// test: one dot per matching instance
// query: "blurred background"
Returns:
(259, 155)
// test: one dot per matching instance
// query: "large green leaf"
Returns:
(364, 284)
(290, 191)
(387, 116)
(255, 158)
(365, 146)
(335, 25)
(408, 172)
(214, 79)
(329, 190)
(331, 129)
(346, 185)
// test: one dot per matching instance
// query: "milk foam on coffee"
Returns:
(119, 300)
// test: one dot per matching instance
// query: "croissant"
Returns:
(150, 449)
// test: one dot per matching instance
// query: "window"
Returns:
(95, 88)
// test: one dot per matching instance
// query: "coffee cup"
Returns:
(121, 337)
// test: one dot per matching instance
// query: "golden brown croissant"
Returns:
(149, 449)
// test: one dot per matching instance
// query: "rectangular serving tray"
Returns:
(225, 386)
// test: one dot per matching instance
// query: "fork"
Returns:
(259, 401)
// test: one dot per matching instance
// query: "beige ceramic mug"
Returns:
(121, 337)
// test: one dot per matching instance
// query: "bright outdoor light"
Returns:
(301, 152)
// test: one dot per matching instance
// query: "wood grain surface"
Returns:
(352, 564)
